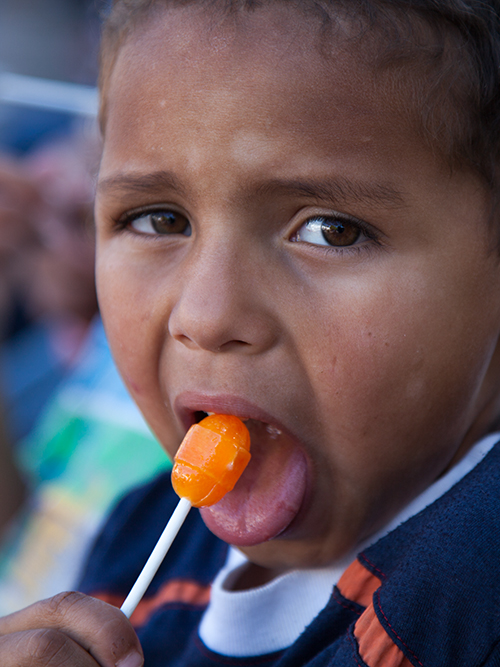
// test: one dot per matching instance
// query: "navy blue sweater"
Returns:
(427, 594)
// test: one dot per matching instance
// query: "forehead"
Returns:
(189, 35)
(188, 81)
(194, 48)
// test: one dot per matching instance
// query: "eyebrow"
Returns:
(339, 190)
(335, 190)
(153, 183)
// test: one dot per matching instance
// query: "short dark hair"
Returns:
(451, 46)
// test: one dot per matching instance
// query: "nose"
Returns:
(223, 305)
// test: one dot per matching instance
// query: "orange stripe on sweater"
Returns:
(358, 584)
(175, 591)
(374, 644)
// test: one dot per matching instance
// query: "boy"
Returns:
(297, 225)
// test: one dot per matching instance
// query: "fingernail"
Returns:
(132, 659)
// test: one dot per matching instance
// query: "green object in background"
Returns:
(88, 449)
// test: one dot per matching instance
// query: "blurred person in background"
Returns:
(74, 440)
(46, 272)
(81, 443)
(19, 197)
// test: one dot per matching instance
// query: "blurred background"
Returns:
(52, 39)
(71, 441)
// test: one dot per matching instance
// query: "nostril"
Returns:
(233, 345)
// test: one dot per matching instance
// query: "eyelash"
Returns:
(356, 247)
(124, 222)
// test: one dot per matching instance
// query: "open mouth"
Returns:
(269, 494)
(199, 415)
(273, 487)
(273, 431)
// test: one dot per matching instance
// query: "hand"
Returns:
(70, 629)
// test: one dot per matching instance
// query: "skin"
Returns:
(69, 629)
(379, 361)
(380, 358)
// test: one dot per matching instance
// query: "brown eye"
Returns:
(168, 222)
(340, 232)
(161, 222)
(334, 231)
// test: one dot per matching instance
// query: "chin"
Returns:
(282, 555)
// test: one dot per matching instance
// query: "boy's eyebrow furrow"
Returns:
(154, 183)
(339, 190)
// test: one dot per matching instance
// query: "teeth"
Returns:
(273, 431)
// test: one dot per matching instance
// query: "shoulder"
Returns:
(431, 588)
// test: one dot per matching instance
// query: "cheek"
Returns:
(370, 378)
(129, 339)
(136, 338)
(381, 374)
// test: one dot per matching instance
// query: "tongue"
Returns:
(268, 495)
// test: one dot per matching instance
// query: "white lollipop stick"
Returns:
(157, 555)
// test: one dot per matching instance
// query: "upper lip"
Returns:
(188, 403)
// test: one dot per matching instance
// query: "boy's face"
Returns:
(276, 241)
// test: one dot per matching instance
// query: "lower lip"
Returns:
(266, 499)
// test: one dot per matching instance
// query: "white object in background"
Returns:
(47, 94)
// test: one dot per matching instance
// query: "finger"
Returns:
(99, 628)
(43, 648)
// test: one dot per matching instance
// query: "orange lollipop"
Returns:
(211, 459)
(208, 464)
